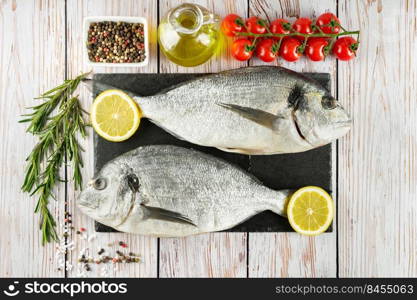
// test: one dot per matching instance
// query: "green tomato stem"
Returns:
(329, 47)
(341, 27)
(281, 35)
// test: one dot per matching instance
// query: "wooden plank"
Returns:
(209, 255)
(29, 66)
(216, 254)
(145, 246)
(290, 254)
(377, 200)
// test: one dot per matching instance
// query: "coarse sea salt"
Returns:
(104, 270)
(84, 251)
(69, 266)
(81, 272)
(110, 265)
(91, 237)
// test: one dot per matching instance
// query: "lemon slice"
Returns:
(115, 116)
(310, 210)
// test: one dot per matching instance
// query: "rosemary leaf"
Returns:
(58, 139)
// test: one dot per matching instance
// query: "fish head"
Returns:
(109, 197)
(320, 118)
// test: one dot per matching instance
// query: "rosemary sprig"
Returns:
(57, 142)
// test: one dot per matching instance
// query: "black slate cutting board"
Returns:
(275, 171)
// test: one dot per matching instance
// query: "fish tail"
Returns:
(279, 202)
(98, 87)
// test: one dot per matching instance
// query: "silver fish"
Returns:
(170, 191)
(253, 110)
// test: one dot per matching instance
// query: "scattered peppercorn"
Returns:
(116, 42)
(122, 244)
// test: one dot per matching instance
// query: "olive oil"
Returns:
(189, 35)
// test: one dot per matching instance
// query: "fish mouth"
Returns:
(86, 202)
(347, 123)
(342, 128)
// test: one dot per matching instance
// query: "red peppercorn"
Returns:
(82, 229)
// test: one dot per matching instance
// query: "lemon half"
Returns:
(310, 210)
(115, 116)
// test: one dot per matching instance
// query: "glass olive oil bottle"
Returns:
(189, 35)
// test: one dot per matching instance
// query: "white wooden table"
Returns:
(376, 226)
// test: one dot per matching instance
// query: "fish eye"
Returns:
(328, 102)
(100, 184)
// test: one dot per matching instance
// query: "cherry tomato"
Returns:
(280, 26)
(290, 49)
(315, 49)
(345, 48)
(325, 22)
(267, 50)
(242, 49)
(231, 24)
(255, 25)
(303, 25)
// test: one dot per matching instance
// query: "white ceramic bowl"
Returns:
(89, 20)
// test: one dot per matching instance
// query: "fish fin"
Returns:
(167, 215)
(239, 150)
(261, 117)
(167, 130)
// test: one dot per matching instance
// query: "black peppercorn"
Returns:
(116, 42)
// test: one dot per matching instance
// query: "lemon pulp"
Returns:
(115, 116)
(310, 210)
